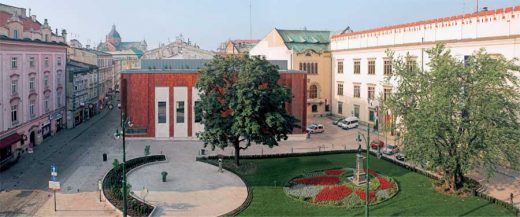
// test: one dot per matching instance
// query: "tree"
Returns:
(458, 116)
(241, 101)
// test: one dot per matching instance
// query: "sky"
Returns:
(210, 22)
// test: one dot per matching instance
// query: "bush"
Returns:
(147, 150)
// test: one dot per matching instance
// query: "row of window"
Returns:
(370, 91)
(32, 111)
(310, 68)
(371, 66)
(32, 63)
(180, 116)
(32, 81)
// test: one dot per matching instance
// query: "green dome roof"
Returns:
(113, 33)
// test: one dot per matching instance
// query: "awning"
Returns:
(9, 140)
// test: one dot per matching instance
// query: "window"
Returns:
(180, 112)
(198, 112)
(357, 92)
(31, 62)
(340, 107)
(46, 104)
(313, 92)
(310, 68)
(356, 111)
(388, 67)
(386, 94)
(58, 100)
(15, 34)
(340, 89)
(14, 63)
(14, 87)
(58, 61)
(340, 67)
(31, 84)
(357, 66)
(371, 115)
(371, 92)
(31, 108)
(411, 64)
(372, 67)
(161, 112)
(46, 37)
(314, 108)
(46, 61)
(46, 81)
(14, 114)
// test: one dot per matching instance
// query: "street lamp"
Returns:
(125, 122)
(359, 139)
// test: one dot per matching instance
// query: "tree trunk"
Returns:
(455, 181)
(237, 152)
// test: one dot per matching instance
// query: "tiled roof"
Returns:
(301, 40)
(27, 22)
(432, 21)
(244, 45)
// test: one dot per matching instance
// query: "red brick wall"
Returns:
(139, 96)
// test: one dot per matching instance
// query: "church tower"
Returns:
(113, 37)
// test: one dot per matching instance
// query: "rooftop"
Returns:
(302, 40)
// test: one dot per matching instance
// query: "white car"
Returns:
(315, 128)
(348, 123)
(390, 149)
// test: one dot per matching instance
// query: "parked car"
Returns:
(315, 128)
(348, 123)
(375, 144)
(401, 156)
(391, 149)
(336, 122)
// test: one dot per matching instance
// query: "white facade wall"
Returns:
(272, 53)
(500, 36)
(162, 130)
(180, 126)
(196, 127)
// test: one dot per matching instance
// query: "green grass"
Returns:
(415, 198)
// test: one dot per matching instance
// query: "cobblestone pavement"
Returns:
(78, 154)
(192, 188)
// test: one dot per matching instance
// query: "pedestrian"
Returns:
(511, 198)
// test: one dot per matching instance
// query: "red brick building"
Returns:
(160, 98)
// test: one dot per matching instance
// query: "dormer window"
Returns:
(15, 34)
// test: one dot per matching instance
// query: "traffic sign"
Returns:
(54, 186)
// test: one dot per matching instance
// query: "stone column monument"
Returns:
(359, 175)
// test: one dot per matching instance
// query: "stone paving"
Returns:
(192, 188)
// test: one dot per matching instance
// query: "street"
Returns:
(76, 152)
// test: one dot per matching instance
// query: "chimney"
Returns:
(87, 46)
(33, 17)
(64, 35)
(56, 31)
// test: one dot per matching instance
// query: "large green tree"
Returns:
(242, 103)
(458, 115)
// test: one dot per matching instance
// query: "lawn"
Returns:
(415, 198)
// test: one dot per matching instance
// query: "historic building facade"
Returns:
(160, 100)
(32, 82)
(83, 92)
(179, 49)
(361, 64)
(307, 51)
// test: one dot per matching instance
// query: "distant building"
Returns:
(75, 43)
(305, 50)
(361, 65)
(32, 82)
(161, 97)
(82, 92)
(113, 42)
(238, 46)
(179, 49)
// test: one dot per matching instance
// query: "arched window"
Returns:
(313, 91)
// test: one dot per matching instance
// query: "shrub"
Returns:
(384, 184)
(147, 150)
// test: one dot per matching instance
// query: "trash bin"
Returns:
(104, 157)
(202, 151)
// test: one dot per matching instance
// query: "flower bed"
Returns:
(318, 180)
(334, 187)
(333, 193)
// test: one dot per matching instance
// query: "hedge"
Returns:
(113, 183)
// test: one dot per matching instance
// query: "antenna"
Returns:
(477, 5)
(250, 22)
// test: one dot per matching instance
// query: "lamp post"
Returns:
(125, 122)
(359, 139)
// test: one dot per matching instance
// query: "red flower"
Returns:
(372, 173)
(334, 172)
(384, 184)
(362, 195)
(318, 180)
(333, 193)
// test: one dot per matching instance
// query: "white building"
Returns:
(360, 61)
